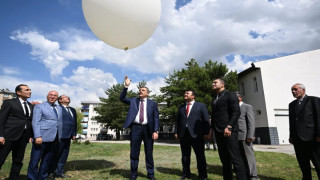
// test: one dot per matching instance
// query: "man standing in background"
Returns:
(15, 128)
(225, 114)
(47, 126)
(69, 130)
(246, 137)
(192, 128)
(304, 121)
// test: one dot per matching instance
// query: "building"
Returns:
(90, 127)
(267, 87)
(6, 94)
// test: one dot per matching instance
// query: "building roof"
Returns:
(247, 71)
(90, 102)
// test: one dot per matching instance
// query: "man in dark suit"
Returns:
(246, 137)
(15, 128)
(192, 127)
(47, 127)
(304, 118)
(69, 129)
(143, 119)
(225, 114)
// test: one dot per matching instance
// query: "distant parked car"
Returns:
(80, 136)
(101, 137)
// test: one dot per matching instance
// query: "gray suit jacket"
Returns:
(45, 123)
(246, 122)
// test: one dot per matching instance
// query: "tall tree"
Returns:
(112, 112)
(196, 78)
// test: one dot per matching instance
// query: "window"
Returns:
(255, 84)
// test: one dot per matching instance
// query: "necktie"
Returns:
(69, 111)
(188, 107)
(215, 101)
(141, 116)
(26, 108)
(54, 110)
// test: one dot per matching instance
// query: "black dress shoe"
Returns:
(132, 178)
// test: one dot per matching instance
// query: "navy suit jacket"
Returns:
(198, 120)
(152, 111)
(69, 123)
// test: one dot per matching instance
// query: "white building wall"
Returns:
(277, 77)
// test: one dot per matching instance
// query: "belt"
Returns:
(138, 124)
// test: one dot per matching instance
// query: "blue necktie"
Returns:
(54, 110)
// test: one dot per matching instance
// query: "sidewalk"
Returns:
(288, 148)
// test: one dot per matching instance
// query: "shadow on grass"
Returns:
(125, 173)
(174, 171)
(261, 177)
(91, 164)
(214, 169)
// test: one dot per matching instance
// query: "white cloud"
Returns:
(86, 84)
(206, 29)
(8, 70)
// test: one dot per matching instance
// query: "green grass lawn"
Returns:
(112, 161)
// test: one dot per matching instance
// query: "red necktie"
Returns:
(188, 107)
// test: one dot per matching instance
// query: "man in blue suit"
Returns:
(143, 119)
(47, 124)
(192, 127)
(69, 129)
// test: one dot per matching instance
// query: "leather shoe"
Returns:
(132, 178)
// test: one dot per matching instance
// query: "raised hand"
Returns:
(127, 81)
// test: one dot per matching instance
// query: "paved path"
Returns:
(288, 149)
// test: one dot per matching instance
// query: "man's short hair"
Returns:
(193, 93)
(146, 88)
(239, 94)
(18, 88)
(221, 79)
(60, 97)
(300, 86)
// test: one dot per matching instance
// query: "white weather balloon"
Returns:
(124, 24)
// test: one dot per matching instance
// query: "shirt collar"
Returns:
(191, 102)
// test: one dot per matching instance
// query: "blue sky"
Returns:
(48, 44)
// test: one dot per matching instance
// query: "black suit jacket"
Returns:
(225, 111)
(198, 120)
(305, 118)
(13, 120)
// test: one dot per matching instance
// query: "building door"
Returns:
(282, 123)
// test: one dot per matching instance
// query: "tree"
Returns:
(112, 111)
(196, 78)
(79, 119)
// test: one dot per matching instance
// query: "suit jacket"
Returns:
(225, 111)
(13, 120)
(69, 123)
(305, 118)
(197, 121)
(45, 123)
(246, 122)
(152, 111)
